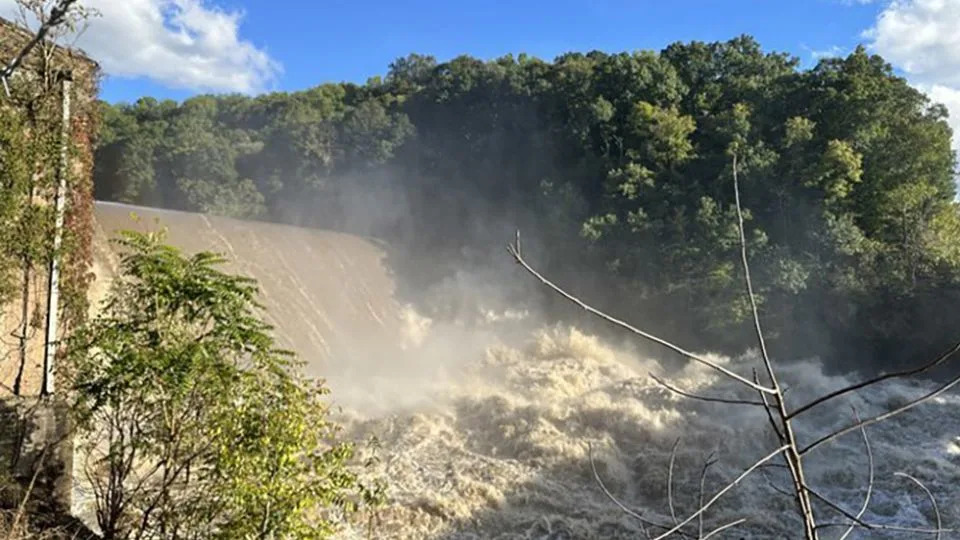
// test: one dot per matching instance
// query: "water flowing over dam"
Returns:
(486, 427)
(325, 293)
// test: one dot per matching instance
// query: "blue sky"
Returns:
(337, 40)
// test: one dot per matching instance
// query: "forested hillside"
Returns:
(616, 168)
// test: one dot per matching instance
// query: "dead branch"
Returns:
(787, 435)
(881, 417)
(933, 500)
(749, 282)
(596, 475)
(881, 527)
(515, 252)
(769, 409)
(703, 477)
(775, 487)
(866, 498)
(676, 390)
(58, 16)
(723, 528)
(673, 459)
(866, 525)
(22, 507)
(703, 508)
(899, 374)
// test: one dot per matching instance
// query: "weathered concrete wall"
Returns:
(22, 352)
(34, 432)
(35, 440)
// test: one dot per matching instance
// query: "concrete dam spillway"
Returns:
(325, 293)
(484, 432)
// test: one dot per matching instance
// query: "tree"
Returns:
(850, 173)
(782, 416)
(193, 423)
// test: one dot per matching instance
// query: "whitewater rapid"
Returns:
(499, 448)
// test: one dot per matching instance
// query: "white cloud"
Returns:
(950, 97)
(834, 51)
(922, 38)
(188, 44)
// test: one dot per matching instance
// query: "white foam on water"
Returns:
(497, 446)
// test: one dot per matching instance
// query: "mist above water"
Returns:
(484, 404)
(499, 449)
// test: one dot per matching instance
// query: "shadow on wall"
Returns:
(36, 447)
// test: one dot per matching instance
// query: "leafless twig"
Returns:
(946, 355)
(627, 326)
(880, 417)
(866, 498)
(673, 459)
(769, 410)
(774, 486)
(933, 500)
(786, 433)
(596, 475)
(676, 390)
(703, 508)
(723, 528)
(58, 16)
(703, 477)
(871, 526)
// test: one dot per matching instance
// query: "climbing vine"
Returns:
(30, 144)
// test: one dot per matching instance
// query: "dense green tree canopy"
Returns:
(620, 163)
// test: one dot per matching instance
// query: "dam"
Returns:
(324, 292)
(487, 435)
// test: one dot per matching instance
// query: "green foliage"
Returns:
(15, 178)
(197, 426)
(29, 164)
(847, 174)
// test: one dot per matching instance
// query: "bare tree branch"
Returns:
(676, 390)
(871, 526)
(703, 477)
(722, 492)
(777, 414)
(769, 409)
(627, 326)
(881, 417)
(749, 282)
(881, 527)
(673, 459)
(773, 486)
(852, 388)
(628, 511)
(866, 499)
(57, 16)
(723, 528)
(933, 500)
(786, 435)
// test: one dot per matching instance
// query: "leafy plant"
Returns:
(194, 424)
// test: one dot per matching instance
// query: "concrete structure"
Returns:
(34, 432)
